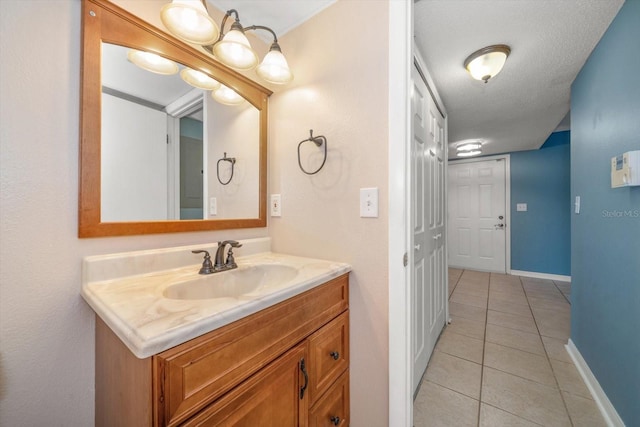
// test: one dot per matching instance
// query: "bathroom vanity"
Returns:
(277, 354)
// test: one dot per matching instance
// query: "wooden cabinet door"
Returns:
(271, 398)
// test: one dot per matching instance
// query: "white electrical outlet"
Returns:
(213, 206)
(276, 205)
(369, 202)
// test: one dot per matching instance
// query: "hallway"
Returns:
(502, 361)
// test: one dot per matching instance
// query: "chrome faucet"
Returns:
(219, 264)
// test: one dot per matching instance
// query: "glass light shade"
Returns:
(487, 62)
(468, 153)
(198, 79)
(189, 20)
(235, 51)
(227, 96)
(469, 146)
(274, 68)
(152, 62)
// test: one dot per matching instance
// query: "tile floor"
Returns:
(502, 361)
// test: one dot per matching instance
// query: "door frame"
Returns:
(507, 201)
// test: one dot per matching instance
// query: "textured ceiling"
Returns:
(517, 110)
(550, 41)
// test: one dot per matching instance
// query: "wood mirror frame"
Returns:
(103, 21)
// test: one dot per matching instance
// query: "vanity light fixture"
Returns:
(468, 149)
(198, 79)
(152, 62)
(485, 63)
(227, 96)
(233, 48)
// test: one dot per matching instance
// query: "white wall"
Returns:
(46, 329)
(340, 62)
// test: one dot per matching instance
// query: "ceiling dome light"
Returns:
(152, 62)
(468, 153)
(227, 96)
(198, 79)
(469, 146)
(234, 49)
(274, 67)
(487, 62)
(189, 20)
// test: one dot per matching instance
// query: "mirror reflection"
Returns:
(162, 142)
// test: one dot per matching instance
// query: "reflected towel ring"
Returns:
(231, 160)
(318, 140)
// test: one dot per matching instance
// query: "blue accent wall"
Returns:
(541, 236)
(605, 235)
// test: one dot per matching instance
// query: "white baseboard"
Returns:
(609, 413)
(537, 275)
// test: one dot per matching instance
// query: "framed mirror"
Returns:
(158, 155)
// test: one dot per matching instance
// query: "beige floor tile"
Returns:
(565, 287)
(583, 412)
(514, 338)
(549, 304)
(509, 307)
(461, 346)
(524, 398)
(556, 349)
(521, 363)
(511, 288)
(554, 323)
(494, 417)
(473, 290)
(467, 327)
(551, 294)
(512, 297)
(467, 311)
(476, 301)
(438, 406)
(455, 373)
(569, 379)
(513, 321)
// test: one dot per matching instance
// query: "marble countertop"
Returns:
(147, 322)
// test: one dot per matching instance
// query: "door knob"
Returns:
(498, 225)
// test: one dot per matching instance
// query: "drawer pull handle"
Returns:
(306, 378)
(335, 356)
(335, 420)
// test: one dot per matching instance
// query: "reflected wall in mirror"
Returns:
(152, 144)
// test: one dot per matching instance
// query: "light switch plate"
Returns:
(369, 202)
(521, 207)
(276, 205)
(577, 205)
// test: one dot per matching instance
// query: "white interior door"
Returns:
(477, 215)
(428, 291)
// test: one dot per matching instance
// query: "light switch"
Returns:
(577, 205)
(521, 207)
(276, 205)
(369, 202)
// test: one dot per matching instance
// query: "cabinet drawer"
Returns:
(271, 398)
(328, 355)
(194, 374)
(333, 407)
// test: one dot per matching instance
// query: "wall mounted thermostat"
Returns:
(625, 169)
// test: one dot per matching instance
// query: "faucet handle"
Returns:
(207, 265)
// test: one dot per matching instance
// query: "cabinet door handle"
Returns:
(335, 355)
(335, 420)
(306, 378)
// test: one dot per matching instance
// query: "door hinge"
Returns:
(405, 259)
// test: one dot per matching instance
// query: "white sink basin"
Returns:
(236, 283)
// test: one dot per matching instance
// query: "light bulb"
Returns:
(189, 20)
(227, 96)
(235, 51)
(199, 79)
(152, 62)
(274, 68)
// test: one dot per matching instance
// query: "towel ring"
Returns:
(231, 160)
(318, 140)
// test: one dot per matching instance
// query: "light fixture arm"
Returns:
(262, 27)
